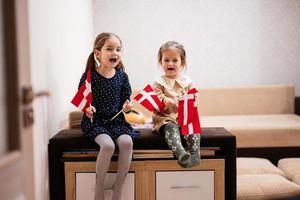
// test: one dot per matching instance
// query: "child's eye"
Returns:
(109, 49)
(175, 60)
(118, 49)
(166, 60)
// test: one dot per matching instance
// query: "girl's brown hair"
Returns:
(172, 45)
(98, 44)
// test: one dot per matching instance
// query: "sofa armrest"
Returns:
(297, 105)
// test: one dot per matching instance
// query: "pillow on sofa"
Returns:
(291, 168)
(256, 166)
(75, 118)
(265, 186)
(135, 117)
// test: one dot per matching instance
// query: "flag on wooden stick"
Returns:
(149, 99)
(83, 97)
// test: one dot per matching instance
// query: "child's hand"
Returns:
(127, 106)
(90, 111)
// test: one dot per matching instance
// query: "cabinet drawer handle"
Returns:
(175, 187)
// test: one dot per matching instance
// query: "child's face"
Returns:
(171, 63)
(110, 54)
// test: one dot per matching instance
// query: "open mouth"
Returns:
(171, 69)
(113, 60)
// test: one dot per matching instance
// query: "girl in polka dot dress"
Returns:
(111, 91)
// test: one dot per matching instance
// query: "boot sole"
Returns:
(184, 159)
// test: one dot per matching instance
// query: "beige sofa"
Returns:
(258, 178)
(259, 116)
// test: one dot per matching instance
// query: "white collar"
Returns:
(169, 83)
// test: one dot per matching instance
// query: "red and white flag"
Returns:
(188, 117)
(83, 97)
(149, 99)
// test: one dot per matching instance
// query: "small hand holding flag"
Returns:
(149, 99)
(188, 117)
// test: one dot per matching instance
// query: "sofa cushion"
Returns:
(242, 100)
(291, 168)
(256, 166)
(246, 100)
(265, 186)
(259, 130)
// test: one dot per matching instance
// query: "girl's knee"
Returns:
(106, 144)
(108, 148)
(125, 142)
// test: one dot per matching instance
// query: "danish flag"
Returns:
(188, 118)
(83, 97)
(149, 99)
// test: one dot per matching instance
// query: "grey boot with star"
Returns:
(193, 145)
(172, 137)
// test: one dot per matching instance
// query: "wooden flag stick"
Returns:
(92, 116)
(116, 115)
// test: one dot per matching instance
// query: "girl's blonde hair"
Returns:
(98, 44)
(172, 45)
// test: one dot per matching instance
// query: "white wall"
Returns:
(60, 39)
(228, 42)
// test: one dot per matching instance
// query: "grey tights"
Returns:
(107, 148)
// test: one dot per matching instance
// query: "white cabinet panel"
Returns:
(181, 185)
(85, 186)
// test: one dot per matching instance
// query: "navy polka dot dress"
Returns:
(109, 95)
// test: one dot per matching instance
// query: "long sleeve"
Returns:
(159, 90)
(126, 89)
